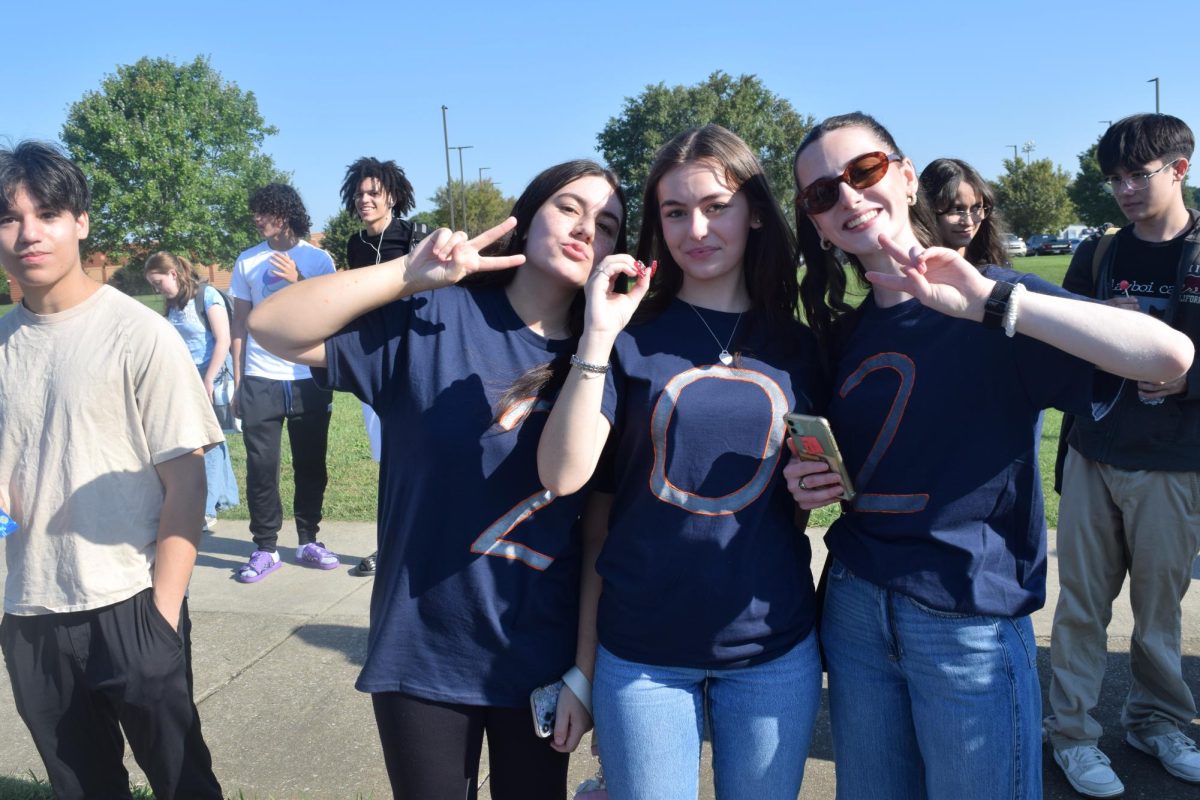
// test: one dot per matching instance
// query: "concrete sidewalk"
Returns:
(275, 663)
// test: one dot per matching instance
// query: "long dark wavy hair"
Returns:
(823, 288)
(769, 262)
(546, 379)
(939, 186)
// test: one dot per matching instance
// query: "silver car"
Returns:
(1013, 245)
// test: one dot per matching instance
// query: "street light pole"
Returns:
(1155, 82)
(1015, 157)
(481, 169)
(463, 181)
(449, 180)
(1028, 148)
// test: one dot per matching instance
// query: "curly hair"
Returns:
(391, 179)
(281, 200)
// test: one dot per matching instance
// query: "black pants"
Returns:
(80, 678)
(264, 405)
(432, 751)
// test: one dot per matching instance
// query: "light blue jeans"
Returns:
(650, 721)
(926, 703)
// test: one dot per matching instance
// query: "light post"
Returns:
(481, 169)
(449, 180)
(463, 181)
(1105, 122)
(1155, 82)
(1028, 148)
(1014, 147)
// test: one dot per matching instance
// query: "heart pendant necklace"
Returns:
(725, 357)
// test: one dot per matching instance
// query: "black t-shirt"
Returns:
(1148, 270)
(363, 249)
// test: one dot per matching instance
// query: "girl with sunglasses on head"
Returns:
(707, 609)
(476, 598)
(965, 209)
(940, 377)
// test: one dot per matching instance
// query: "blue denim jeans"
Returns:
(926, 703)
(650, 722)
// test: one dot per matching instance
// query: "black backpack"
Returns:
(198, 303)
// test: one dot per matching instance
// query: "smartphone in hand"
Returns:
(814, 442)
(543, 701)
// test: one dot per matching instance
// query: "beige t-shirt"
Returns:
(91, 399)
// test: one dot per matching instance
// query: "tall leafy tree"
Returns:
(1033, 196)
(767, 122)
(1094, 203)
(338, 230)
(172, 152)
(486, 207)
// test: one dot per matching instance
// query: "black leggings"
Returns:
(432, 751)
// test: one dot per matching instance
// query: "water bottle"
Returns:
(7, 524)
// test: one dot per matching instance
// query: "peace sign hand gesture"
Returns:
(938, 277)
(445, 257)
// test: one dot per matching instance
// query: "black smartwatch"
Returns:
(996, 304)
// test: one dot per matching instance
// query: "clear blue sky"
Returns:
(529, 84)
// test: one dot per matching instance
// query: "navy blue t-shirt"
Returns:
(477, 595)
(939, 421)
(703, 566)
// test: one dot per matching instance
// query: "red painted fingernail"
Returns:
(653, 267)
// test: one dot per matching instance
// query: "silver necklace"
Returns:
(725, 357)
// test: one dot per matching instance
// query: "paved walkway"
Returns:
(275, 664)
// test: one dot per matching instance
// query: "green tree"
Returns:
(338, 230)
(172, 152)
(767, 122)
(1033, 196)
(486, 207)
(1094, 203)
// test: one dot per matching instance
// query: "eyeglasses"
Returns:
(861, 173)
(1135, 182)
(958, 214)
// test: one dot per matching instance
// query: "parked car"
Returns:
(1075, 244)
(1013, 245)
(1034, 242)
(1054, 247)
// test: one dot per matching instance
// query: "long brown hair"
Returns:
(545, 378)
(185, 275)
(823, 288)
(769, 262)
(939, 184)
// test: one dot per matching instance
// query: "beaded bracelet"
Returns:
(1011, 311)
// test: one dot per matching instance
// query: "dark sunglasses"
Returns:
(866, 170)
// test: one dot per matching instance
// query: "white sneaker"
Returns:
(1175, 751)
(209, 522)
(1088, 771)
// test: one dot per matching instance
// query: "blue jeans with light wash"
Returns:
(650, 722)
(926, 703)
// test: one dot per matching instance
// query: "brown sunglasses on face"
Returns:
(866, 170)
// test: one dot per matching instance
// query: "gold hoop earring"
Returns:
(826, 244)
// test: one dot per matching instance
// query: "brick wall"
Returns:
(98, 267)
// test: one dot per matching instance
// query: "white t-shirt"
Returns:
(91, 399)
(253, 281)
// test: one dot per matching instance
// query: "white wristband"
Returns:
(580, 686)
(1012, 310)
